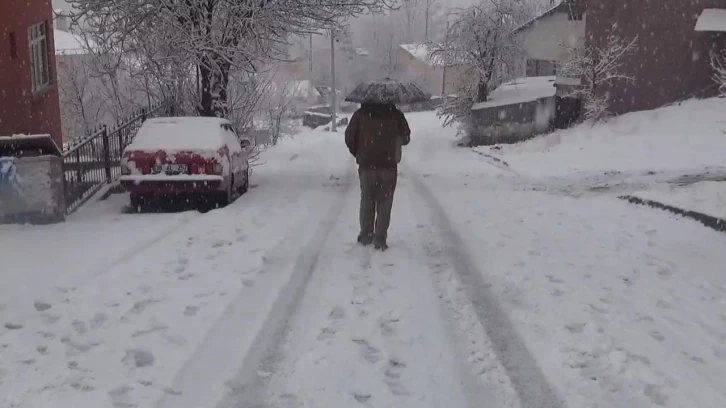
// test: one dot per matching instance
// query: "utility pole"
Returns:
(334, 96)
(311, 90)
(426, 30)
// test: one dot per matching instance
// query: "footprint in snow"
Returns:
(575, 328)
(79, 326)
(120, 397)
(361, 397)
(393, 373)
(137, 358)
(13, 326)
(368, 352)
(41, 306)
(328, 332)
(191, 310)
(555, 280)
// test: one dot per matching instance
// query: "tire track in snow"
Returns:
(248, 386)
(532, 386)
(136, 250)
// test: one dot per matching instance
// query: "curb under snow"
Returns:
(709, 221)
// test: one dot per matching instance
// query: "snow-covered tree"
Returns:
(718, 63)
(479, 40)
(211, 39)
(598, 67)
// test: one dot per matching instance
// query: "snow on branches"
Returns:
(596, 67)
(212, 40)
(479, 41)
(718, 63)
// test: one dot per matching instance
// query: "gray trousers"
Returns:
(376, 201)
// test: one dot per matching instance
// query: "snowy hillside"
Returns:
(686, 138)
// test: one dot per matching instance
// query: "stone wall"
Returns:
(511, 123)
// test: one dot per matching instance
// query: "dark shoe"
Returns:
(380, 245)
(365, 240)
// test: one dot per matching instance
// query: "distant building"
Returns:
(414, 62)
(545, 38)
(29, 96)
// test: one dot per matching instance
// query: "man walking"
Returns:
(374, 137)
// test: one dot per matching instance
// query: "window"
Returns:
(13, 46)
(39, 69)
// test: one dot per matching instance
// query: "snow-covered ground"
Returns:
(496, 291)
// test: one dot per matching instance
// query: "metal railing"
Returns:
(95, 160)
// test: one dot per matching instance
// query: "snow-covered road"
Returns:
(493, 294)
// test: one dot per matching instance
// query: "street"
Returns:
(495, 292)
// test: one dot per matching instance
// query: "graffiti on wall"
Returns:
(9, 180)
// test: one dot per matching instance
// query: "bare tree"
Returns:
(479, 40)
(598, 67)
(81, 105)
(211, 38)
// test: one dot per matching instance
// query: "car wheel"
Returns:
(227, 197)
(246, 185)
(137, 201)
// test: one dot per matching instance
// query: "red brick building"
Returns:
(672, 60)
(28, 86)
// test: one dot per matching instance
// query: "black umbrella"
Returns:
(388, 91)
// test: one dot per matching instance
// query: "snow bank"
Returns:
(708, 197)
(684, 138)
(519, 91)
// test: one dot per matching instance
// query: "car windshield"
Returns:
(363, 204)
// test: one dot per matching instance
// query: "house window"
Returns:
(13, 46)
(39, 69)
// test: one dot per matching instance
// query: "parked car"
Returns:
(186, 155)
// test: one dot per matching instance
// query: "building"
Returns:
(546, 38)
(414, 63)
(672, 61)
(28, 85)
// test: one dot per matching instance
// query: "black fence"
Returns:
(95, 160)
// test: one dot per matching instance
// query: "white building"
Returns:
(546, 38)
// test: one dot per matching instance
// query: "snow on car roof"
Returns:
(181, 134)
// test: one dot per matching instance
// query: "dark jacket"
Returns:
(375, 135)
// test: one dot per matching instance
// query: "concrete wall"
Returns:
(511, 123)
(22, 110)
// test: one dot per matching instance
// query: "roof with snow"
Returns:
(421, 52)
(559, 6)
(520, 90)
(70, 44)
(299, 89)
(712, 20)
